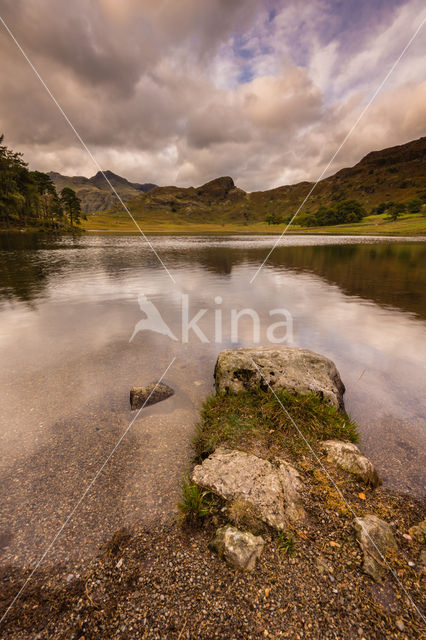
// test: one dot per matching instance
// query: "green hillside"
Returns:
(394, 175)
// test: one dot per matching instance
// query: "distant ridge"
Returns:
(396, 173)
(95, 192)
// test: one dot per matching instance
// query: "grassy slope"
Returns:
(371, 225)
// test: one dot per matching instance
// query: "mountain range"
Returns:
(396, 173)
(95, 193)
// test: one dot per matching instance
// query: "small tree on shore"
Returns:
(72, 205)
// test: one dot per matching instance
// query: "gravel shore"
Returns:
(164, 582)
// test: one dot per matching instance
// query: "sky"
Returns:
(183, 91)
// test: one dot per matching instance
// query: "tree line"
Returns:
(29, 198)
(349, 211)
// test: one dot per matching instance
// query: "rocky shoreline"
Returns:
(285, 531)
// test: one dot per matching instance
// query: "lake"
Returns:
(69, 306)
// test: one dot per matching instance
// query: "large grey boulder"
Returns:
(272, 490)
(376, 539)
(298, 370)
(348, 457)
(239, 548)
(151, 394)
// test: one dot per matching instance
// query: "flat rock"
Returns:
(297, 370)
(151, 394)
(418, 532)
(272, 490)
(239, 548)
(348, 457)
(375, 537)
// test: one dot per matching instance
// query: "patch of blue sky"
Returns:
(246, 75)
(246, 56)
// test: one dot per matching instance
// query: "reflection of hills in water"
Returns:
(388, 274)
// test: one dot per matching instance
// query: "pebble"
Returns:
(400, 625)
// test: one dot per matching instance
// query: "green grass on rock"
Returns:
(255, 421)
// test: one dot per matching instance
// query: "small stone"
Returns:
(419, 532)
(376, 538)
(360, 631)
(119, 564)
(151, 394)
(321, 564)
(400, 625)
(240, 549)
(348, 457)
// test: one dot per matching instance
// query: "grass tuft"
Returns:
(286, 543)
(194, 504)
(256, 422)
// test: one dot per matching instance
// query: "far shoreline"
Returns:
(414, 237)
(406, 227)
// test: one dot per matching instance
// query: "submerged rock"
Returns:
(272, 491)
(418, 532)
(376, 538)
(297, 370)
(348, 457)
(150, 394)
(240, 549)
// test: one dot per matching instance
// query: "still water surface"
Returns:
(68, 307)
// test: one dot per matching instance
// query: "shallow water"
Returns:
(68, 308)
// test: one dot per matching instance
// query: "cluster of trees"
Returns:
(29, 198)
(349, 211)
(275, 218)
(396, 209)
(344, 212)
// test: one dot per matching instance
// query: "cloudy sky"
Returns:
(182, 91)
